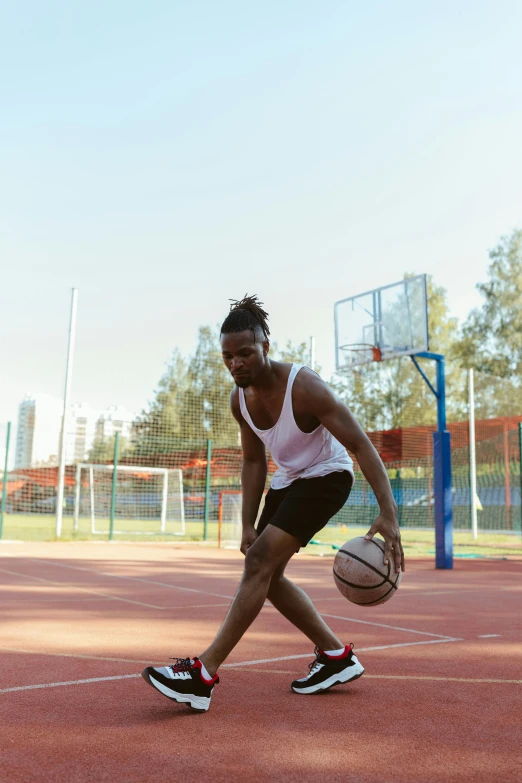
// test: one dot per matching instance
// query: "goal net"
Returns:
(229, 518)
(148, 501)
(230, 525)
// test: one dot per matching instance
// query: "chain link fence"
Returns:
(179, 461)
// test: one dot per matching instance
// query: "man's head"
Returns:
(244, 340)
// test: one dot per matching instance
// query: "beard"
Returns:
(243, 384)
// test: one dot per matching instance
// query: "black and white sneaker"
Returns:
(182, 682)
(326, 671)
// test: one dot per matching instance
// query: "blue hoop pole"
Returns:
(441, 466)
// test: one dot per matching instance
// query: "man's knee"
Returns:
(260, 560)
(257, 563)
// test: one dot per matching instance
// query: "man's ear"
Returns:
(266, 347)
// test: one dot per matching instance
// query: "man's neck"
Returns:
(270, 377)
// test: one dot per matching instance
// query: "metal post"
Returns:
(164, 501)
(398, 493)
(114, 479)
(441, 395)
(4, 483)
(91, 499)
(63, 434)
(507, 477)
(207, 490)
(441, 466)
(442, 479)
(312, 353)
(220, 519)
(182, 501)
(520, 471)
(443, 500)
(76, 519)
(472, 457)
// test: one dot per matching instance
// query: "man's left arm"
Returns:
(333, 414)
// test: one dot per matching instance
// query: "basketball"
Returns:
(360, 574)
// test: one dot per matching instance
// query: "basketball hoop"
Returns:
(386, 323)
(362, 353)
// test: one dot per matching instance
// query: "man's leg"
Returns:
(296, 606)
(327, 669)
(272, 549)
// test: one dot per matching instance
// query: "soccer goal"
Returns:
(229, 518)
(230, 523)
(149, 501)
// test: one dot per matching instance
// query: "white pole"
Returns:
(63, 434)
(312, 353)
(472, 457)
(164, 501)
(182, 502)
(77, 497)
(91, 499)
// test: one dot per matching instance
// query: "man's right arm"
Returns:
(253, 473)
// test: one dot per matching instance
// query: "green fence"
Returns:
(29, 495)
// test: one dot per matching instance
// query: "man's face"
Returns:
(244, 357)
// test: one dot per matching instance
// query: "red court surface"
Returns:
(441, 699)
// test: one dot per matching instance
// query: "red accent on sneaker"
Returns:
(197, 665)
(347, 652)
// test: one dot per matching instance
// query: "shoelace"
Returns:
(320, 659)
(181, 665)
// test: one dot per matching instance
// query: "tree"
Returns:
(205, 411)
(192, 402)
(299, 353)
(102, 449)
(491, 339)
(495, 396)
(156, 428)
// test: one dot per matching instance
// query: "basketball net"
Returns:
(364, 353)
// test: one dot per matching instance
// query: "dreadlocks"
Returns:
(246, 313)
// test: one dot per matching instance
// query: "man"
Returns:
(292, 412)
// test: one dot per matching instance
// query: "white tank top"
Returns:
(298, 454)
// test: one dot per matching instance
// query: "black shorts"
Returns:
(305, 506)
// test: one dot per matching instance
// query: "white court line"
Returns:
(218, 595)
(72, 682)
(446, 639)
(44, 654)
(414, 593)
(489, 636)
(22, 601)
(403, 593)
(196, 606)
(82, 589)
(130, 578)
(226, 665)
(438, 679)
(8, 600)
(383, 625)
(404, 677)
(26, 576)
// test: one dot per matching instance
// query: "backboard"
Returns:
(385, 323)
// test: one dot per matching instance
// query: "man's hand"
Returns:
(388, 526)
(247, 539)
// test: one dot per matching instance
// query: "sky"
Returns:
(164, 157)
